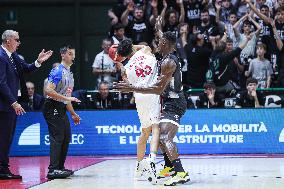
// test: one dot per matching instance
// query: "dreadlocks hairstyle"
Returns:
(125, 47)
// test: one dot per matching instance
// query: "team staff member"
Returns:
(58, 90)
(12, 70)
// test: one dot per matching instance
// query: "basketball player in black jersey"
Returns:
(169, 86)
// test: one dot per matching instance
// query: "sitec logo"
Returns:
(31, 135)
(75, 139)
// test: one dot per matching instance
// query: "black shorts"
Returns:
(54, 110)
(173, 109)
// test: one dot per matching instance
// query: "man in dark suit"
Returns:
(35, 101)
(12, 68)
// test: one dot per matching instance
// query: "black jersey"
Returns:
(174, 88)
(139, 31)
(192, 12)
(280, 29)
(173, 100)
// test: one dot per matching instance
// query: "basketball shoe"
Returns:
(151, 171)
(178, 178)
(166, 172)
(140, 169)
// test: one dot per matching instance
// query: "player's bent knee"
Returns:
(155, 131)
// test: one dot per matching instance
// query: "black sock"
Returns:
(168, 162)
(177, 165)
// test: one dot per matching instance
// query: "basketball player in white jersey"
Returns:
(169, 86)
(142, 71)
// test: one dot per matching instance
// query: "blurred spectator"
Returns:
(249, 98)
(116, 11)
(279, 22)
(226, 9)
(118, 33)
(169, 17)
(104, 99)
(235, 69)
(279, 26)
(280, 3)
(193, 9)
(258, 3)
(207, 28)
(183, 28)
(218, 63)
(248, 52)
(228, 24)
(139, 29)
(35, 100)
(280, 55)
(267, 36)
(242, 8)
(46, 79)
(103, 66)
(197, 58)
(209, 99)
(260, 68)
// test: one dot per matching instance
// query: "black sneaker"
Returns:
(58, 174)
(5, 174)
(68, 170)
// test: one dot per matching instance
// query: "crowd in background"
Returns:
(224, 46)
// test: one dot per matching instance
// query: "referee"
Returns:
(58, 90)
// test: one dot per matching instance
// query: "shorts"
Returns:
(148, 108)
(173, 109)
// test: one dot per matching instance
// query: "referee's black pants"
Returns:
(59, 132)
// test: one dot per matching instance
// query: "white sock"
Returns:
(152, 156)
(137, 164)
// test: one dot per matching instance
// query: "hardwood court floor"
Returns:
(206, 172)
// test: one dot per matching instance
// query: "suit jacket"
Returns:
(38, 102)
(10, 79)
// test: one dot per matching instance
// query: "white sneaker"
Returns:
(140, 169)
(151, 172)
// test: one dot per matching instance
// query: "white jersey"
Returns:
(142, 69)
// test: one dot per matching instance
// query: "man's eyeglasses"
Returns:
(18, 40)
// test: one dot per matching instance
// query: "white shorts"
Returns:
(148, 108)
